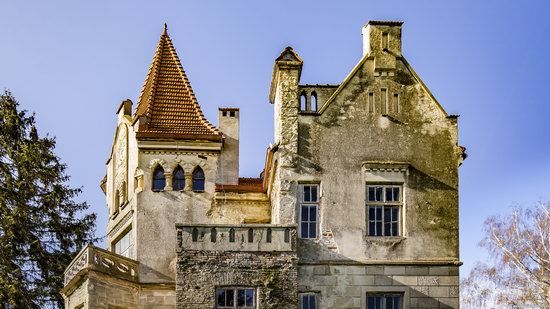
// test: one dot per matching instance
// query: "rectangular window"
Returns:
(371, 102)
(384, 301)
(396, 103)
(384, 203)
(125, 245)
(309, 210)
(384, 100)
(385, 40)
(235, 298)
(308, 301)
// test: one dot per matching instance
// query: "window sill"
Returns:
(158, 190)
(384, 240)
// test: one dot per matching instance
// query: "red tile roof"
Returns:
(245, 185)
(167, 101)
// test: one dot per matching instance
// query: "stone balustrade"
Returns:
(237, 237)
(101, 260)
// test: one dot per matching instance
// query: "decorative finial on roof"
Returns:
(165, 28)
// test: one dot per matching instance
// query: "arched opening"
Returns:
(250, 235)
(268, 235)
(213, 234)
(198, 179)
(178, 179)
(313, 101)
(159, 180)
(195, 234)
(232, 235)
(287, 235)
(303, 101)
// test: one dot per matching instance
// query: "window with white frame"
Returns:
(384, 301)
(384, 204)
(309, 210)
(235, 297)
(125, 245)
(308, 301)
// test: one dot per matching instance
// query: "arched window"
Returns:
(287, 235)
(313, 101)
(213, 234)
(268, 236)
(178, 179)
(303, 101)
(198, 179)
(232, 235)
(250, 235)
(195, 234)
(159, 181)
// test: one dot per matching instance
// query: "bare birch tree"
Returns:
(519, 276)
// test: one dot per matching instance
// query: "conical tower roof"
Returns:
(167, 106)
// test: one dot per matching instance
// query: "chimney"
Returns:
(124, 109)
(228, 165)
(382, 41)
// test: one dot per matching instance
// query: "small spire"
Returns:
(165, 28)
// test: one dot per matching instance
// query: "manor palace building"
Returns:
(356, 206)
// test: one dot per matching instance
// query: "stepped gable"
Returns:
(167, 106)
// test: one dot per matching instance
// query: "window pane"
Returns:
(307, 194)
(378, 228)
(395, 229)
(387, 229)
(221, 297)
(371, 213)
(312, 302)
(249, 297)
(313, 230)
(379, 213)
(303, 230)
(230, 297)
(314, 194)
(378, 194)
(305, 212)
(312, 213)
(372, 228)
(305, 302)
(241, 297)
(371, 194)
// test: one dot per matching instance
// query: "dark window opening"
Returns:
(224, 113)
(198, 179)
(232, 114)
(159, 180)
(303, 101)
(384, 301)
(195, 234)
(308, 301)
(235, 298)
(213, 234)
(287, 235)
(178, 181)
(268, 235)
(232, 235)
(250, 235)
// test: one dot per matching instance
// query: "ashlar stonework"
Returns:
(356, 207)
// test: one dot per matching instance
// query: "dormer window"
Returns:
(159, 180)
(198, 179)
(178, 179)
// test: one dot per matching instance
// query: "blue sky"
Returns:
(73, 62)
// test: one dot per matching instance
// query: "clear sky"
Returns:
(73, 62)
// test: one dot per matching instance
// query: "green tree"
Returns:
(41, 226)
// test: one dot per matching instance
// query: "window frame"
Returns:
(384, 299)
(384, 204)
(308, 294)
(175, 180)
(128, 251)
(158, 168)
(310, 204)
(235, 290)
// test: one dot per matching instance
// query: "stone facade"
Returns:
(357, 202)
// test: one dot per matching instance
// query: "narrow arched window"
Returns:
(198, 179)
(159, 181)
(213, 234)
(268, 235)
(313, 101)
(232, 235)
(303, 101)
(195, 234)
(287, 235)
(250, 235)
(178, 179)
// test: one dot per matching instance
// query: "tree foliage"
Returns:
(519, 276)
(41, 226)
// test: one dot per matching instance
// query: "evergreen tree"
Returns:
(41, 226)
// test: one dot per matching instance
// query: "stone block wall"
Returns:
(347, 286)
(272, 274)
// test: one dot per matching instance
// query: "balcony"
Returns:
(237, 237)
(92, 258)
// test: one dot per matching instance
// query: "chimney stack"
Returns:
(228, 165)
(382, 41)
